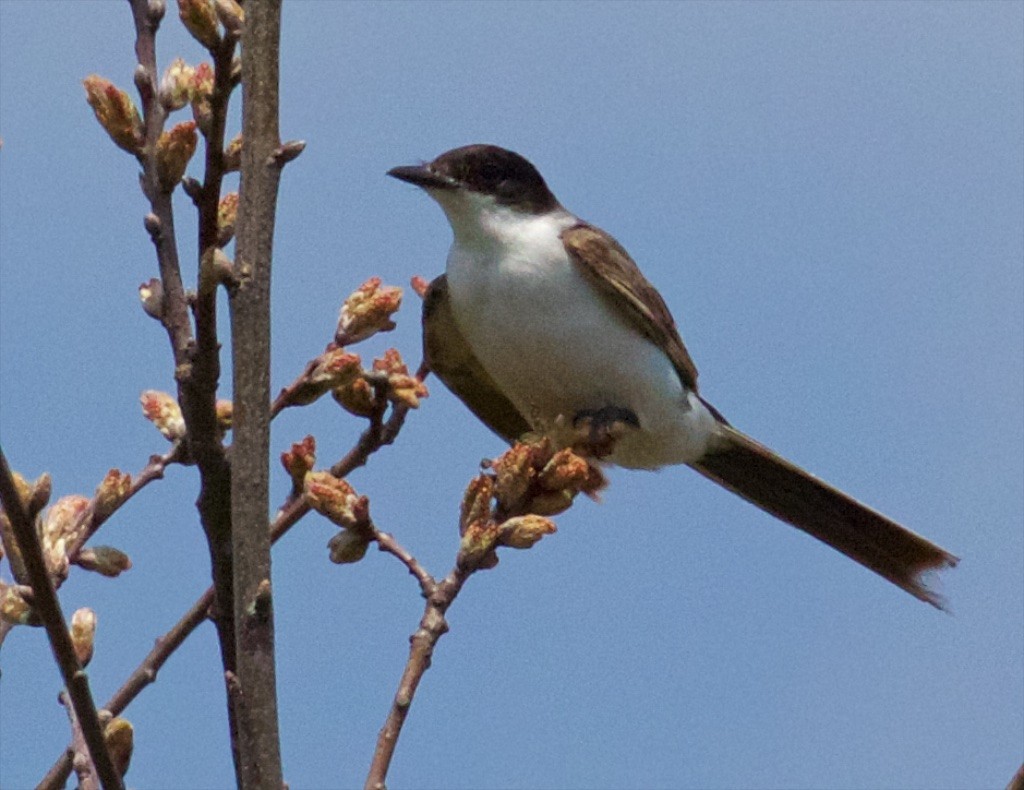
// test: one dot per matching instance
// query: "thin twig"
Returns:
(196, 358)
(47, 606)
(379, 434)
(80, 762)
(421, 649)
(388, 544)
(154, 470)
(254, 678)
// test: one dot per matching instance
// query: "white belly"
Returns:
(556, 349)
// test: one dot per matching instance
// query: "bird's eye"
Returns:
(490, 173)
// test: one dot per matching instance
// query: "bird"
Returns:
(543, 324)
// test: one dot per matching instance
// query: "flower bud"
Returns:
(479, 538)
(201, 81)
(164, 412)
(233, 155)
(15, 607)
(551, 503)
(513, 475)
(367, 311)
(116, 113)
(202, 90)
(83, 634)
(227, 214)
(356, 397)
(476, 502)
(111, 493)
(420, 286)
(174, 150)
(176, 85)
(299, 461)
(231, 15)
(225, 415)
(200, 19)
(120, 738)
(151, 294)
(336, 367)
(522, 532)
(565, 470)
(336, 500)
(61, 525)
(348, 546)
(402, 388)
(104, 560)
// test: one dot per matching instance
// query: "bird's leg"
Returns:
(597, 430)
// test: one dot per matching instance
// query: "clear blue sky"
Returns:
(830, 198)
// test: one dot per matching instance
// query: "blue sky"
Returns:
(830, 199)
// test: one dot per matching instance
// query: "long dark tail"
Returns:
(797, 497)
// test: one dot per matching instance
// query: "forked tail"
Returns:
(769, 481)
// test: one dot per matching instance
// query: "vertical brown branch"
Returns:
(196, 363)
(48, 607)
(259, 746)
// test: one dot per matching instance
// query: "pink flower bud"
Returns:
(174, 149)
(368, 311)
(104, 560)
(522, 532)
(299, 461)
(83, 634)
(402, 388)
(176, 85)
(201, 81)
(336, 500)
(111, 493)
(164, 412)
(336, 367)
(201, 91)
(116, 113)
(419, 285)
(200, 19)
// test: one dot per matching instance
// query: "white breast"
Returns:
(554, 346)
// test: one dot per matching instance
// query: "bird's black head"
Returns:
(504, 175)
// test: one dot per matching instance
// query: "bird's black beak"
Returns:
(422, 176)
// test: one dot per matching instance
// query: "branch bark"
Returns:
(47, 606)
(259, 743)
(196, 356)
(379, 434)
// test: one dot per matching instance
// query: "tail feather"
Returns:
(786, 491)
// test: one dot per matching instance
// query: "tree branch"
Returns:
(379, 434)
(259, 743)
(47, 605)
(196, 358)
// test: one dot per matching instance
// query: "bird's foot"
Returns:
(598, 430)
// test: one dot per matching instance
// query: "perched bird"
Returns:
(543, 323)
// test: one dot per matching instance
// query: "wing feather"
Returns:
(608, 267)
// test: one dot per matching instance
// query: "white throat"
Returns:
(551, 342)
